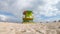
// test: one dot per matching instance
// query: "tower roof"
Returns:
(27, 11)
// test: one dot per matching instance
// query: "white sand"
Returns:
(37, 28)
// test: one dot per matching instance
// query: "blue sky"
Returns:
(44, 10)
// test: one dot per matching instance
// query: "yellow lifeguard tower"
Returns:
(28, 16)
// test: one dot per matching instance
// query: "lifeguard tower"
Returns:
(28, 16)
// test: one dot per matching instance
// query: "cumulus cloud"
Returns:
(48, 8)
(4, 18)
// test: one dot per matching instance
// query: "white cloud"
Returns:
(39, 7)
(49, 9)
(3, 17)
